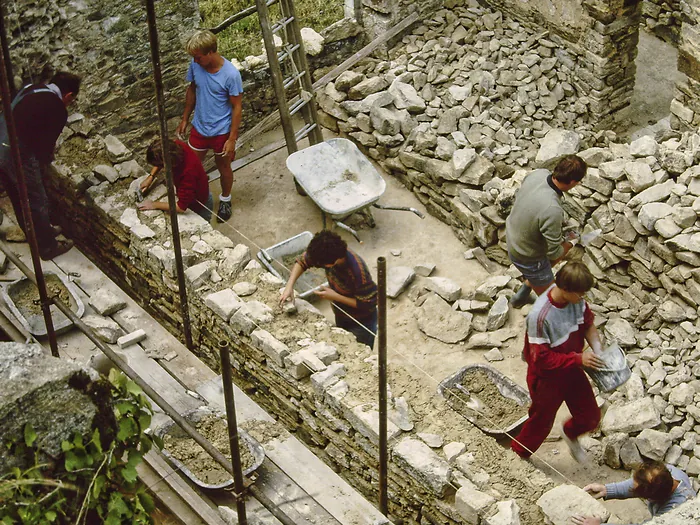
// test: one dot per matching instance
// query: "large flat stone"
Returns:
(397, 279)
(562, 502)
(631, 417)
(438, 320)
(423, 463)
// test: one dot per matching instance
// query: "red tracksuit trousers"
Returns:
(548, 392)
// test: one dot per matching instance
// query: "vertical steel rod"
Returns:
(381, 325)
(160, 104)
(23, 196)
(227, 378)
(6, 52)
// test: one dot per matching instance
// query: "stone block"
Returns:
(653, 444)
(472, 504)
(132, 338)
(631, 417)
(507, 513)
(423, 464)
(320, 381)
(36, 389)
(325, 352)
(556, 144)
(200, 273)
(449, 290)
(639, 175)
(397, 279)
(564, 501)
(224, 303)
(294, 363)
(234, 260)
(498, 314)
(365, 419)
(116, 150)
(438, 320)
(275, 349)
(105, 328)
(105, 302)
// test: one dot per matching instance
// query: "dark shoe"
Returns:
(60, 248)
(56, 230)
(521, 297)
(224, 212)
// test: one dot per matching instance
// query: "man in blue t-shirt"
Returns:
(215, 95)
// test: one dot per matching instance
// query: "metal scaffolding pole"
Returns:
(29, 230)
(160, 104)
(383, 412)
(227, 379)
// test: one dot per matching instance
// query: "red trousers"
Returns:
(548, 392)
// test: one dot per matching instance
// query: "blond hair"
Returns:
(575, 277)
(203, 42)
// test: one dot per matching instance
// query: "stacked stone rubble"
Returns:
(685, 107)
(663, 18)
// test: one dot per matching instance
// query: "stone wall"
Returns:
(663, 19)
(315, 378)
(600, 36)
(107, 44)
(685, 107)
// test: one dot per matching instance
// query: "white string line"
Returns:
(416, 366)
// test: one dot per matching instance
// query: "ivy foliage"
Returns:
(94, 479)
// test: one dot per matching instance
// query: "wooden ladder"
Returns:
(289, 69)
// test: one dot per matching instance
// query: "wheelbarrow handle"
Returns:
(399, 208)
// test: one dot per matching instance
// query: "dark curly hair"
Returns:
(654, 481)
(325, 248)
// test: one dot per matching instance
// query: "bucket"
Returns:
(616, 371)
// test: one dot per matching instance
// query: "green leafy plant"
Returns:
(94, 479)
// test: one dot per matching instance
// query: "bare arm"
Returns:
(288, 292)
(566, 245)
(236, 115)
(331, 295)
(190, 101)
(158, 205)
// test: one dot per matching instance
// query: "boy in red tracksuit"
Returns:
(557, 325)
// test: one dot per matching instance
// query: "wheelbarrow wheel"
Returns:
(300, 190)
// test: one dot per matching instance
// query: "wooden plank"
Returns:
(165, 480)
(307, 471)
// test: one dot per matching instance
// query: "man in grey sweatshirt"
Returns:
(534, 226)
(664, 487)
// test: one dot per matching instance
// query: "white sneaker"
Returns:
(575, 448)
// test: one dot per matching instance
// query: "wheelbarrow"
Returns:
(338, 177)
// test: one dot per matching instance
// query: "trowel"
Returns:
(141, 193)
(473, 402)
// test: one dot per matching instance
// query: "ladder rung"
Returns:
(303, 132)
(291, 80)
(284, 54)
(280, 24)
(297, 106)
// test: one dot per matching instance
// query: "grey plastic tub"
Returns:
(506, 386)
(35, 324)
(193, 416)
(271, 259)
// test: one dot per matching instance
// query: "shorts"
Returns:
(539, 273)
(200, 143)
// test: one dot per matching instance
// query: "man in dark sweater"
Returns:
(534, 226)
(39, 111)
(351, 289)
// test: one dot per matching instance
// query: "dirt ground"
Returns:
(267, 210)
